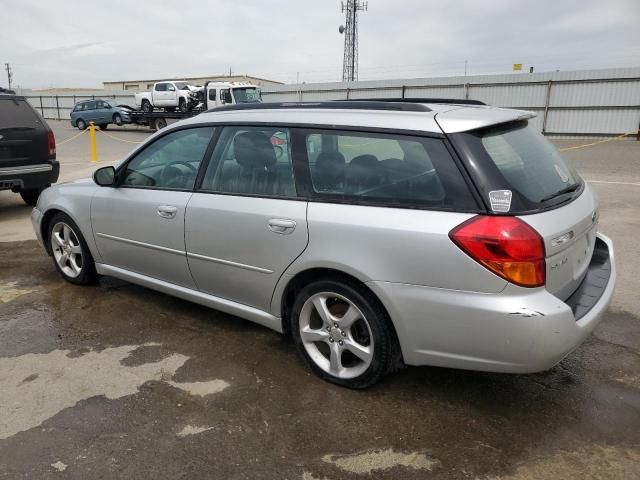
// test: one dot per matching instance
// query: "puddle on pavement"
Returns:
(35, 387)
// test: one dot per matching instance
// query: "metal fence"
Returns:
(578, 103)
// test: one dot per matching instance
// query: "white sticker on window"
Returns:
(500, 200)
(562, 174)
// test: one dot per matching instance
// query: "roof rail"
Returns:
(373, 104)
(457, 101)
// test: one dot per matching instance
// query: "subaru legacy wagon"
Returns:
(376, 234)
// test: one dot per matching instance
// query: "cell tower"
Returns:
(350, 31)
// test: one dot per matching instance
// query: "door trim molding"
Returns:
(141, 244)
(222, 304)
(229, 263)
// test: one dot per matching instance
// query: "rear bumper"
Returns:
(29, 176)
(519, 330)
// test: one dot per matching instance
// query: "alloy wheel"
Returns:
(336, 335)
(66, 249)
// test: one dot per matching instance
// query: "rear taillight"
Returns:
(505, 245)
(51, 146)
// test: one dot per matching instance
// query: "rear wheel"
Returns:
(30, 196)
(81, 124)
(146, 106)
(71, 255)
(342, 333)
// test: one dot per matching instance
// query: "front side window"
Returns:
(212, 94)
(171, 162)
(253, 161)
(225, 96)
(385, 168)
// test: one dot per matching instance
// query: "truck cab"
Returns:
(229, 93)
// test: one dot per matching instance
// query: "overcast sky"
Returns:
(65, 43)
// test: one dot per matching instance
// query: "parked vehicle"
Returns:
(211, 95)
(383, 233)
(100, 112)
(27, 149)
(167, 95)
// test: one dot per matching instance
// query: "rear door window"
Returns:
(387, 169)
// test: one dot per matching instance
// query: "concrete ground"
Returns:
(116, 381)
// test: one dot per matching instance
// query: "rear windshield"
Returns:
(516, 158)
(16, 113)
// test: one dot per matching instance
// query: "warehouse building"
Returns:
(142, 85)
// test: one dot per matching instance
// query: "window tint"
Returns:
(161, 87)
(392, 169)
(528, 162)
(17, 113)
(170, 162)
(252, 160)
(212, 94)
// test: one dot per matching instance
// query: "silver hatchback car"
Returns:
(376, 233)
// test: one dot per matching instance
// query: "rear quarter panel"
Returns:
(392, 245)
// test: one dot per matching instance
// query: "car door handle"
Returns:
(167, 211)
(281, 225)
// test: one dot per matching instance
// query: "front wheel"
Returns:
(81, 124)
(343, 334)
(183, 106)
(71, 255)
(117, 119)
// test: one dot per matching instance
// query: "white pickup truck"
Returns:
(169, 96)
(198, 99)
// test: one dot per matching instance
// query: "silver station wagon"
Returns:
(375, 233)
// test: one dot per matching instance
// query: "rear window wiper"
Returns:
(569, 189)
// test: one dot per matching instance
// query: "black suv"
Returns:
(27, 149)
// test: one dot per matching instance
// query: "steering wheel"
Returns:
(167, 176)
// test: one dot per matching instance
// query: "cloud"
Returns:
(278, 39)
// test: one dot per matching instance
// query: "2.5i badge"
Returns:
(500, 200)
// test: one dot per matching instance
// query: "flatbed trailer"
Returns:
(158, 120)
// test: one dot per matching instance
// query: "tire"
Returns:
(160, 123)
(362, 325)
(30, 196)
(81, 124)
(182, 106)
(65, 239)
(117, 119)
(146, 106)
(103, 126)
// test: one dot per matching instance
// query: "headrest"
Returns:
(254, 150)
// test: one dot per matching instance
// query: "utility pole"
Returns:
(9, 74)
(350, 31)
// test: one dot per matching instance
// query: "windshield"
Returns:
(182, 85)
(517, 158)
(247, 95)
(112, 103)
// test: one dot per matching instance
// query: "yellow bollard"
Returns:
(94, 150)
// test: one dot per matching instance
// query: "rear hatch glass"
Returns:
(533, 180)
(23, 134)
(518, 169)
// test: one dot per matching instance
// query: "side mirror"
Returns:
(105, 176)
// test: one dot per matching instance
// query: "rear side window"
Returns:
(17, 113)
(388, 169)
